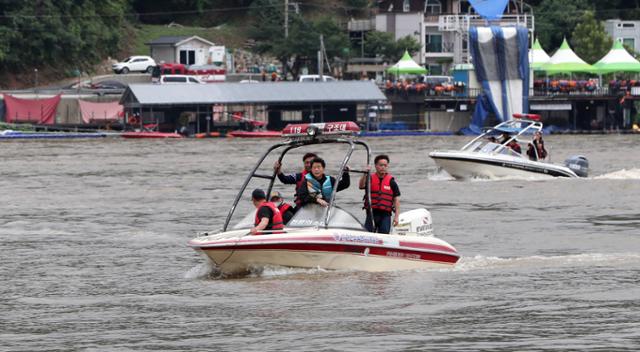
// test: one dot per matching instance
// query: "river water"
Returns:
(94, 256)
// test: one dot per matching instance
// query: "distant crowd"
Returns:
(582, 86)
(409, 87)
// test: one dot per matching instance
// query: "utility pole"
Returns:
(320, 59)
(286, 19)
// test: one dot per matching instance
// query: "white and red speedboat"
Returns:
(484, 158)
(327, 238)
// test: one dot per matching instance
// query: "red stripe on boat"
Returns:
(398, 253)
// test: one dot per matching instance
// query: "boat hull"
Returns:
(468, 165)
(136, 135)
(327, 249)
(255, 134)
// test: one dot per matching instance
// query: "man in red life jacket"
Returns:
(297, 178)
(268, 217)
(536, 150)
(285, 208)
(385, 197)
(511, 143)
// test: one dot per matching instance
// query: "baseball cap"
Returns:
(258, 194)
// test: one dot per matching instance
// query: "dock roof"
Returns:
(251, 93)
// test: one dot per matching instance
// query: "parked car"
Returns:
(178, 79)
(134, 63)
(108, 85)
(315, 78)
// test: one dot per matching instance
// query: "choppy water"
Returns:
(93, 255)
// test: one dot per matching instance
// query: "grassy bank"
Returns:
(229, 35)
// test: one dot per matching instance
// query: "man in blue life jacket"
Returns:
(318, 186)
(385, 197)
(296, 178)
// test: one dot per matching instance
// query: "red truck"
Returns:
(205, 73)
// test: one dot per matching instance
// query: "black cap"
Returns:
(258, 194)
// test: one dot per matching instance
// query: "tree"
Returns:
(303, 41)
(381, 44)
(556, 19)
(61, 33)
(589, 39)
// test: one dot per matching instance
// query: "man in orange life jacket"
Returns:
(385, 197)
(285, 208)
(297, 178)
(268, 216)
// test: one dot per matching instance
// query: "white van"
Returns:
(437, 80)
(315, 78)
(179, 79)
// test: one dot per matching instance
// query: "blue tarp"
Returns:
(499, 62)
(489, 9)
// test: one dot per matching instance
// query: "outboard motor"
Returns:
(417, 221)
(578, 164)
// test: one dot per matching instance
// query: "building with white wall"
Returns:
(627, 32)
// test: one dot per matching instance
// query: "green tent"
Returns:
(566, 61)
(406, 65)
(537, 56)
(617, 60)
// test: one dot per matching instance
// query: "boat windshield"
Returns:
(311, 215)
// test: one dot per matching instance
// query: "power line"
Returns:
(240, 8)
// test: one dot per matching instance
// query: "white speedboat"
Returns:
(327, 238)
(484, 158)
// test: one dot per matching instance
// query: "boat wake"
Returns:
(586, 259)
(209, 271)
(624, 174)
(440, 175)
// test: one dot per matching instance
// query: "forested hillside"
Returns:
(63, 37)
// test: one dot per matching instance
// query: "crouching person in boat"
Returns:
(318, 186)
(268, 217)
(285, 208)
(385, 197)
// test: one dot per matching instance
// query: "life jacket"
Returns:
(515, 147)
(326, 188)
(303, 174)
(284, 207)
(381, 193)
(542, 153)
(275, 223)
(299, 182)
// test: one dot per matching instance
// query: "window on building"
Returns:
(630, 42)
(435, 69)
(292, 116)
(188, 57)
(433, 7)
(628, 25)
(406, 6)
(433, 43)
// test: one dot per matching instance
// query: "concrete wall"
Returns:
(163, 53)
(402, 25)
(442, 121)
